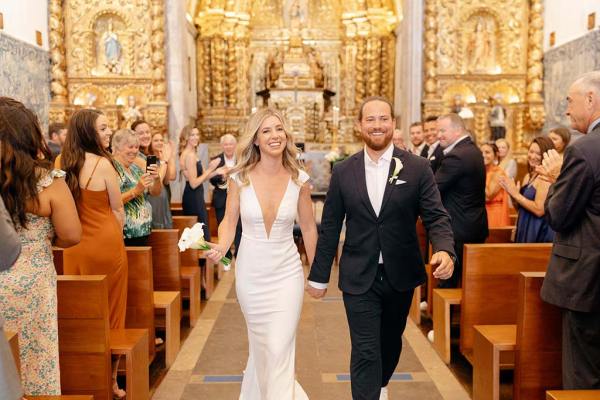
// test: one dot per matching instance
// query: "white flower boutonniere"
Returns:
(397, 168)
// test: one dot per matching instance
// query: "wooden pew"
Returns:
(140, 294)
(57, 256)
(490, 277)
(84, 336)
(63, 397)
(165, 259)
(501, 234)
(573, 395)
(176, 208)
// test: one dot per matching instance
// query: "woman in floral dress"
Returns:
(42, 209)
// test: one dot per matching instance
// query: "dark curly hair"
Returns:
(82, 138)
(24, 159)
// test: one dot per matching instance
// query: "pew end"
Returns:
(170, 303)
(443, 299)
(573, 395)
(133, 345)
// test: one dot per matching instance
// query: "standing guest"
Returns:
(532, 227)
(94, 182)
(220, 183)
(161, 204)
(195, 176)
(10, 248)
(505, 158)
(496, 198)
(418, 146)
(135, 184)
(144, 133)
(560, 137)
(434, 150)
(42, 209)
(461, 182)
(572, 209)
(398, 139)
(380, 192)
(57, 134)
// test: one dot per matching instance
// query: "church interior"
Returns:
(504, 66)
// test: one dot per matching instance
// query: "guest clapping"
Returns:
(134, 185)
(505, 158)
(496, 198)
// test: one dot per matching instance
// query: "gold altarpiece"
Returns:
(478, 53)
(109, 55)
(313, 59)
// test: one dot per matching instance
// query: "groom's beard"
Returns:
(378, 142)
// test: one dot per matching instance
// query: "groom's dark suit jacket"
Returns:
(393, 232)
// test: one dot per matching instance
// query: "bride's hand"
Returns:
(216, 252)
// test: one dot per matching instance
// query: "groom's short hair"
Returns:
(374, 98)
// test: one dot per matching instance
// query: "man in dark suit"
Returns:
(417, 140)
(219, 182)
(461, 182)
(573, 211)
(434, 150)
(380, 192)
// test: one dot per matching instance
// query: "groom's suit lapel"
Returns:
(360, 176)
(389, 187)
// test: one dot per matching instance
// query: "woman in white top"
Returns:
(507, 162)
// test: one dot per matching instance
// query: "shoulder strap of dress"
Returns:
(92, 174)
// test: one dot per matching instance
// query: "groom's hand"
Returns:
(314, 292)
(445, 265)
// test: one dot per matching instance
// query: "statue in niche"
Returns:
(296, 15)
(275, 68)
(497, 118)
(112, 49)
(481, 47)
(132, 113)
(316, 67)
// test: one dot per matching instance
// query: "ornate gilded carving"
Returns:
(58, 85)
(535, 68)
(430, 39)
(159, 89)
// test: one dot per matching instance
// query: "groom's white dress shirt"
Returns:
(376, 174)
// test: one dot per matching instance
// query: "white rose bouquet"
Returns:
(193, 238)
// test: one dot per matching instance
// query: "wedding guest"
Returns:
(94, 182)
(144, 133)
(161, 204)
(135, 184)
(496, 198)
(505, 158)
(560, 137)
(195, 176)
(398, 139)
(532, 227)
(434, 150)
(43, 212)
(418, 146)
(57, 133)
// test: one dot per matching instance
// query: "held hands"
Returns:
(445, 265)
(551, 165)
(314, 292)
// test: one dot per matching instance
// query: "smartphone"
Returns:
(151, 160)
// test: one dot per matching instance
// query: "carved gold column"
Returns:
(58, 84)
(232, 67)
(156, 111)
(373, 72)
(535, 68)
(204, 81)
(430, 39)
(217, 62)
(359, 91)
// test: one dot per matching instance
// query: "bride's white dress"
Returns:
(270, 288)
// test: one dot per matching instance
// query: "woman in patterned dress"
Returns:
(43, 211)
(134, 184)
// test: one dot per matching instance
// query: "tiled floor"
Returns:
(213, 357)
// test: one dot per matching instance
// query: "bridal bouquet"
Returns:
(193, 238)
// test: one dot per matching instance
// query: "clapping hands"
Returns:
(551, 165)
(509, 185)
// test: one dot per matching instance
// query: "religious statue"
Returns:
(497, 118)
(132, 113)
(480, 49)
(112, 49)
(274, 68)
(316, 68)
(297, 16)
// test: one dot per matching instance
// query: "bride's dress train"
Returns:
(270, 289)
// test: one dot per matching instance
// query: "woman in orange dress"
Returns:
(94, 183)
(496, 198)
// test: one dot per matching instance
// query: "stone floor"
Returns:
(211, 361)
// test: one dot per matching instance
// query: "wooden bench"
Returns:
(62, 397)
(13, 342)
(573, 395)
(170, 304)
(490, 343)
(176, 208)
(83, 333)
(133, 345)
(165, 260)
(500, 234)
(490, 277)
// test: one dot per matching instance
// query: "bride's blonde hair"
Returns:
(248, 154)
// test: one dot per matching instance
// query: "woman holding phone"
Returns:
(162, 150)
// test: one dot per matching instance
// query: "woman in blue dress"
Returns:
(529, 198)
(191, 168)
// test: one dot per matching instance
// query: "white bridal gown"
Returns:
(270, 287)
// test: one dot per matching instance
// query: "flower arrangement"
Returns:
(334, 156)
(193, 238)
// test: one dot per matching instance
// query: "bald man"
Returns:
(572, 209)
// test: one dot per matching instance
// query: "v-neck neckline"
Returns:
(268, 233)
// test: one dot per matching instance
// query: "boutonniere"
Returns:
(397, 168)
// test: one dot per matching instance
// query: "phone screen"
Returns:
(150, 160)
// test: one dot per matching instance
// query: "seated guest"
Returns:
(57, 133)
(418, 146)
(135, 185)
(161, 204)
(94, 182)
(505, 158)
(560, 137)
(496, 198)
(434, 150)
(42, 210)
(532, 227)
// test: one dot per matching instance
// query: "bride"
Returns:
(268, 189)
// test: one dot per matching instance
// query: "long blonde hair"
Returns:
(186, 131)
(248, 154)
(504, 162)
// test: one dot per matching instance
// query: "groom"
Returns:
(380, 191)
